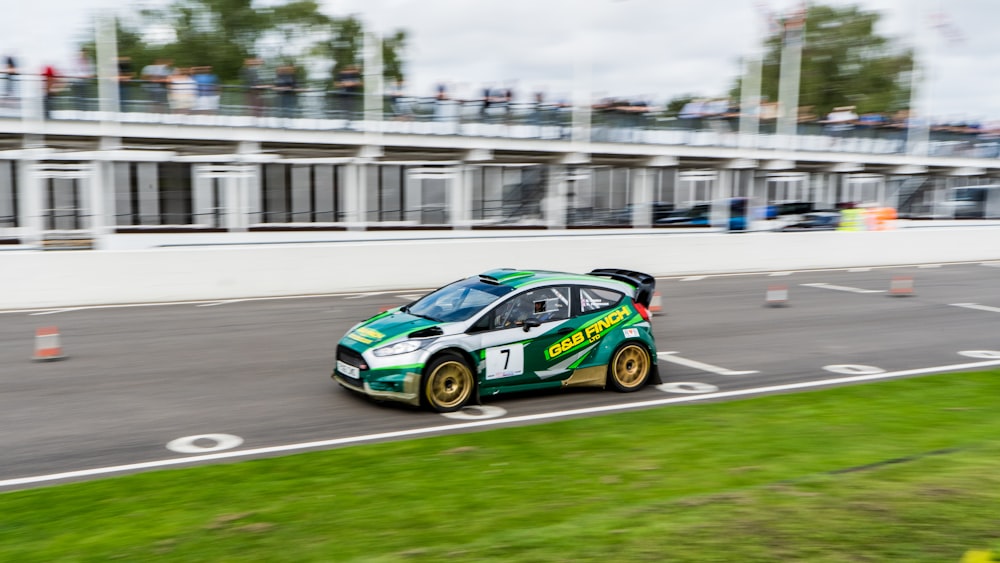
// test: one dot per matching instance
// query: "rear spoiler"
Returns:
(644, 284)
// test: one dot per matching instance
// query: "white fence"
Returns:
(34, 279)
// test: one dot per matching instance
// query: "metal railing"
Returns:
(317, 108)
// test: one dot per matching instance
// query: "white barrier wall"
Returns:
(33, 279)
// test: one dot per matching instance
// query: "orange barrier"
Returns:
(901, 286)
(656, 303)
(47, 346)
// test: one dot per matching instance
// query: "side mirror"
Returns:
(531, 322)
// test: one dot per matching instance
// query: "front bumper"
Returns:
(402, 386)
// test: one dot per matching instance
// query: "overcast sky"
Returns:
(656, 49)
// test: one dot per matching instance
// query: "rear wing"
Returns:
(644, 284)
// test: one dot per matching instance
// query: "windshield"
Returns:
(458, 301)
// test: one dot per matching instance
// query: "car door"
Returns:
(515, 357)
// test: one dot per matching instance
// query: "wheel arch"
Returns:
(654, 371)
(467, 356)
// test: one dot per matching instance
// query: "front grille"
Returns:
(350, 381)
(350, 357)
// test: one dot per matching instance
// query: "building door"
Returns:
(67, 220)
(221, 196)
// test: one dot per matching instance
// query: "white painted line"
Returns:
(853, 369)
(842, 288)
(217, 303)
(925, 266)
(674, 359)
(203, 302)
(977, 307)
(123, 306)
(362, 295)
(859, 269)
(694, 278)
(481, 424)
(199, 303)
(410, 296)
(991, 264)
(776, 274)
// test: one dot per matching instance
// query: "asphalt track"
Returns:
(254, 374)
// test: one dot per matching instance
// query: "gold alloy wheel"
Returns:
(449, 385)
(630, 367)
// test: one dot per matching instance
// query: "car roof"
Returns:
(520, 278)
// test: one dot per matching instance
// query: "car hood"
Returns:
(389, 326)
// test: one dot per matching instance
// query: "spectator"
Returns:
(10, 73)
(125, 76)
(50, 89)
(156, 77)
(286, 85)
(182, 91)
(253, 85)
(349, 91)
(81, 77)
(208, 90)
(402, 104)
(484, 110)
(444, 108)
(840, 121)
(538, 113)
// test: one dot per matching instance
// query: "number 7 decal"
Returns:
(504, 361)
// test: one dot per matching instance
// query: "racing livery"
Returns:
(505, 330)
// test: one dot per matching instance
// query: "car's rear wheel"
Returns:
(629, 368)
(448, 383)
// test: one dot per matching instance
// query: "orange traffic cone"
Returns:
(47, 346)
(901, 286)
(656, 303)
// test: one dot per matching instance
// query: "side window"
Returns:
(546, 304)
(594, 299)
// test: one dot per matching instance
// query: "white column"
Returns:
(555, 198)
(788, 88)
(373, 89)
(354, 195)
(32, 201)
(107, 65)
(100, 184)
(460, 197)
(641, 198)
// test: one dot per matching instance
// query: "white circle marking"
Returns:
(188, 445)
(854, 369)
(687, 387)
(475, 412)
(985, 354)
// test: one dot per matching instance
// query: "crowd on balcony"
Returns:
(263, 90)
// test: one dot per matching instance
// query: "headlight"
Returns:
(403, 347)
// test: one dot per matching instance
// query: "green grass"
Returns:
(905, 470)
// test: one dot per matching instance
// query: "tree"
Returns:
(344, 44)
(224, 33)
(844, 62)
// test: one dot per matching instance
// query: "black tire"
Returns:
(448, 383)
(629, 368)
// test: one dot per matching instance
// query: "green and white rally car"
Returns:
(505, 330)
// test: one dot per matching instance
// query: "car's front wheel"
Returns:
(629, 368)
(448, 383)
